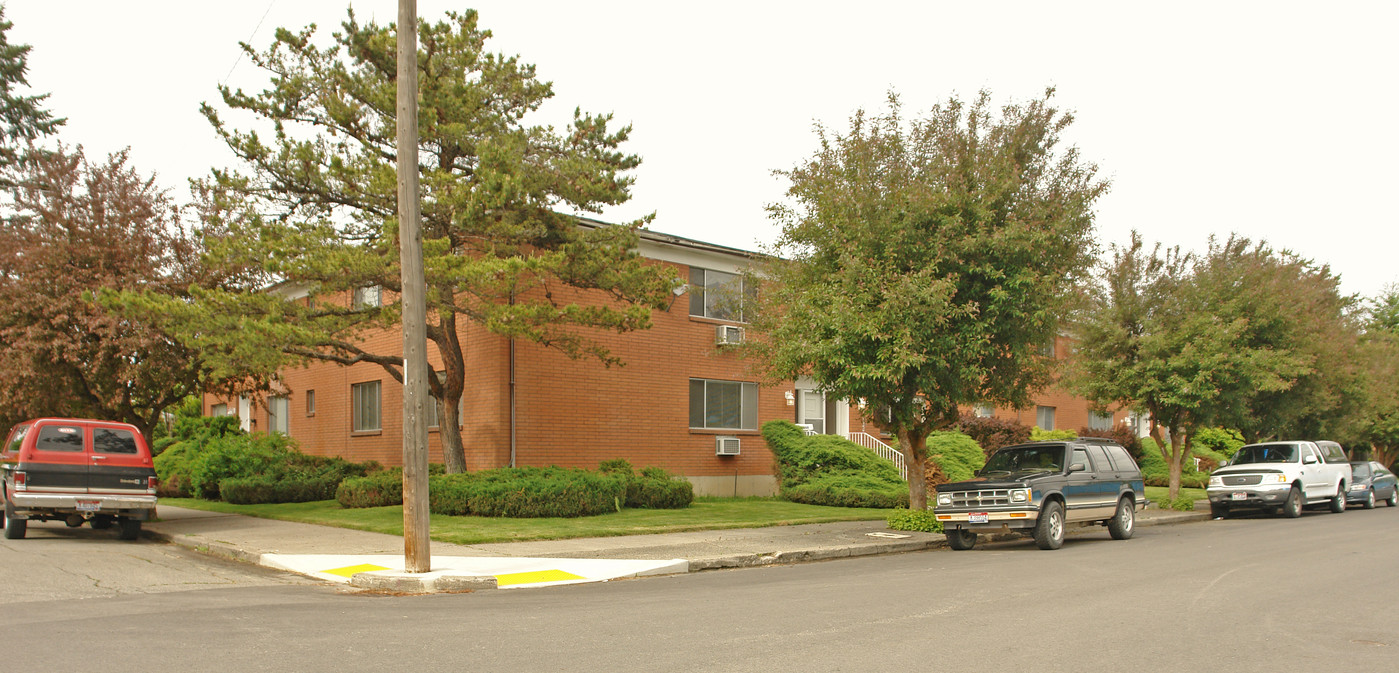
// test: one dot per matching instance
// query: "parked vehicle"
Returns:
(1281, 476)
(77, 471)
(1041, 488)
(1372, 482)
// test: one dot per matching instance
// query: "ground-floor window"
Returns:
(1044, 418)
(723, 405)
(278, 415)
(365, 401)
(1097, 421)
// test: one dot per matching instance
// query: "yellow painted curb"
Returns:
(349, 571)
(535, 577)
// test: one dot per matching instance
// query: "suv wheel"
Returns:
(15, 528)
(1049, 530)
(960, 539)
(1338, 503)
(1292, 507)
(1121, 525)
(130, 529)
(1219, 511)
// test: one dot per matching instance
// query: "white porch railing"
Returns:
(881, 449)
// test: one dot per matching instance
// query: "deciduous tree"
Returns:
(924, 263)
(312, 206)
(79, 228)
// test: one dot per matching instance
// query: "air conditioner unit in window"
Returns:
(726, 446)
(728, 335)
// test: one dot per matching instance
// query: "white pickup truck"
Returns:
(1281, 476)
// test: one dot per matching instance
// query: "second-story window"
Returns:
(368, 297)
(717, 294)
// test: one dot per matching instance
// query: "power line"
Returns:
(238, 60)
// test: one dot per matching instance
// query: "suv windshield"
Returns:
(1266, 453)
(1028, 459)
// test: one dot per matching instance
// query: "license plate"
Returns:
(1240, 496)
(89, 505)
(978, 517)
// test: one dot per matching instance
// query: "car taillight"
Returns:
(21, 481)
(152, 483)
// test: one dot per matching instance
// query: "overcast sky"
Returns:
(1274, 120)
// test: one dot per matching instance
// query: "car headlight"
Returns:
(1020, 495)
(1216, 481)
(944, 498)
(1277, 478)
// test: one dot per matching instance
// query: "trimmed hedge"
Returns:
(381, 489)
(1039, 435)
(957, 455)
(526, 492)
(654, 488)
(829, 470)
(266, 489)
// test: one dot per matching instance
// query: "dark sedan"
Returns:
(1372, 482)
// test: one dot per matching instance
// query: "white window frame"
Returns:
(369, 296)
(362, 396)
(1040, 413)
(310, 402)
(1099, 421)
(984, 411)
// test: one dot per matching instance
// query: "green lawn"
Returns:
(704, 514)
(1158, 493)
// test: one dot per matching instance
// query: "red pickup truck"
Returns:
(77, 471)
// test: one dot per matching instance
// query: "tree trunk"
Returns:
(449, 430)
(914, 447)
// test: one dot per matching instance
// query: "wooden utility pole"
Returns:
(417, 554)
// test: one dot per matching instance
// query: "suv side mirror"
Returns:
(1309, 459)
(1224, 463)
(1077, 467)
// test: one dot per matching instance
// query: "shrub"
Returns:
(160, 445)
(237, 455)
(268, 489)
(380, 489)
(829, 470)
(1180, 504)
(1125, 436)
(914, 519)
(1038, 435)
(993, 433)
(526, 492)
(955, 456)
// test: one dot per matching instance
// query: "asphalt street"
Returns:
(1258, 594)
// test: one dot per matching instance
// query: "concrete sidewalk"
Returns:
(375, 561)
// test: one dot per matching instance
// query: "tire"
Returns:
(1218, 511)
(1393, 500)
(1124, 522)
(130, 529)
(1292, 507)
(1369, 500)
(102, 522)
(1049, 529)
(1338, 503)
(961, 540)
(15, 528)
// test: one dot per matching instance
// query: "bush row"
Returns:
(529, 492)
(829, 470)
(213, 459)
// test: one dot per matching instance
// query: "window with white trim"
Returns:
(365, 406)
(368, 297)
(310, 403)
(984, 411)
(723, 405)
(218, 410)
(1044, 418)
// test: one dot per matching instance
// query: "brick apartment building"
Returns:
(683, 400)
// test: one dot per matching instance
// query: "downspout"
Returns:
(511, 391)
(512, 402)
